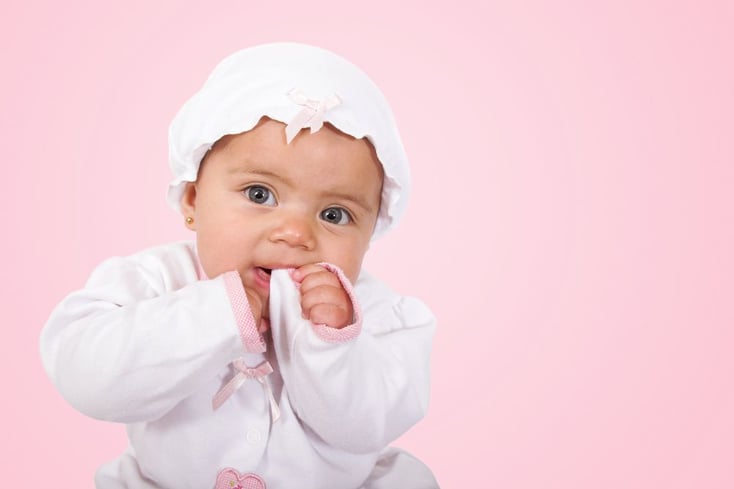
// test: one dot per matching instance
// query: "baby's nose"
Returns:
(294, 230)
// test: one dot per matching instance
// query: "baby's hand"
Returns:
(323, 299)
(258, 310)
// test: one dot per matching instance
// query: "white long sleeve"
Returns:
(133, 342)
(360, 394)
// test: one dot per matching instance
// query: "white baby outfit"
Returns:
(149, 343)
(208, 401)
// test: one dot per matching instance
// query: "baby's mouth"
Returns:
(264, 272)
(262, 275)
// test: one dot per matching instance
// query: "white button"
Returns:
(253, 436)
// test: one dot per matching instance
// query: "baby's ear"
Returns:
(188, 204)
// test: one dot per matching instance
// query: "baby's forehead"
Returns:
(264, 147)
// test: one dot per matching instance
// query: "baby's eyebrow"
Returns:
(261, 171)
(356, 199)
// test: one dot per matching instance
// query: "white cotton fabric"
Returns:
(255, 82)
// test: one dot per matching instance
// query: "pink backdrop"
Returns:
(572, 224)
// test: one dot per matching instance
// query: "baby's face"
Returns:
(260, 204)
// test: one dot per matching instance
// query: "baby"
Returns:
(262, 355)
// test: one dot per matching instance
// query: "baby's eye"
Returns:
(260, 195)
(336, 215)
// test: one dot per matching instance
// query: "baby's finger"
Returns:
(330, 315)
(327, 295)
(322, 278)
(323, 294)
(300, 273)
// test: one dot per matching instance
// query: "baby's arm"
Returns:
(361, 386)
(133, 343)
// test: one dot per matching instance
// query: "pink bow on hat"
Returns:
(312, 114)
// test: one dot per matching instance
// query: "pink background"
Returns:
(571, 226)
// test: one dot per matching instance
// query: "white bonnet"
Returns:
(298, 85)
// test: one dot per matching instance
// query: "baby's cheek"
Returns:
(217, 260)
(351, 271)
(348, 257)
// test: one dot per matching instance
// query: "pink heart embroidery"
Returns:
(231, 479)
